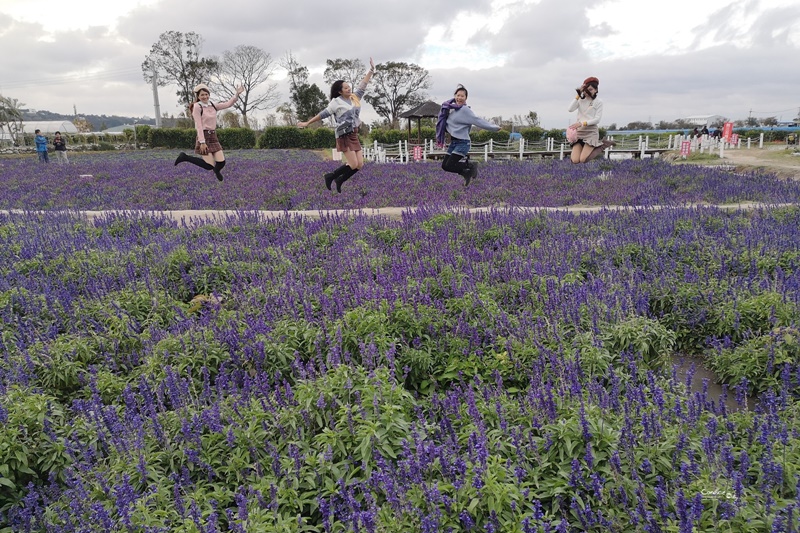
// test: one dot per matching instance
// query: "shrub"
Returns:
(396, 136)
(532, 134)
(31, 442)
(761, 361)
(557, 134)
(644, 336)
(171, 138)
(103, 146)
(292, 137)
(237, 138)
(483, 136)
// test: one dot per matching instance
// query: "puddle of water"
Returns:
(704, 379)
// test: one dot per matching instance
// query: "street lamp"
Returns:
(135, 141)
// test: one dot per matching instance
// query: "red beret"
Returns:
(591, 79)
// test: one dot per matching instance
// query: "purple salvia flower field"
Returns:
(509, 370)
(290, 180)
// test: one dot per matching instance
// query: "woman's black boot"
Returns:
(344, 177)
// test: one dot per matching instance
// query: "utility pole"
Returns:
(155, 98)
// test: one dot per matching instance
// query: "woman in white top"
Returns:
(345, 107)
(590, 112)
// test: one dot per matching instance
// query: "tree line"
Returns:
(176, 59)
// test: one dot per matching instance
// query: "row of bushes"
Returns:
(287, 137)
(322, 138)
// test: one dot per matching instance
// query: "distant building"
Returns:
(704, 120)
(119, 130)
(49, 126)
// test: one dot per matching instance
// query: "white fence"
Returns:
(403, 152)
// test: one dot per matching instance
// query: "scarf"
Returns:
(441, 121)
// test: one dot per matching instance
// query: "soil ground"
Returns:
(782, 160)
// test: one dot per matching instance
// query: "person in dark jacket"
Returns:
(60, 144)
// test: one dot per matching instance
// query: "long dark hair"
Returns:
(336, 89)
(461, 88)
(197, 99)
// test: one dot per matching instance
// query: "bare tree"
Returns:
(175, 58)
(398, 87)
(350, 70)
(249, 67)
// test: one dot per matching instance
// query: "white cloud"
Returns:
(655, 63)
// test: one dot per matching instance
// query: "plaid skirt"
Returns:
(348, 142)
(212, 143)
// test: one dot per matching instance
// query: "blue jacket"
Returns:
(459, 122)
(41, 143)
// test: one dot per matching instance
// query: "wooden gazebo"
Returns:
(425, 110)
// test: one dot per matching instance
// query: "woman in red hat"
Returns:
(590, 112)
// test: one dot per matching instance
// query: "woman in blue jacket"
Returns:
(456, 118)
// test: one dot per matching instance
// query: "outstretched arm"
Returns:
(315, 118)
(229, 103)
(369, 73)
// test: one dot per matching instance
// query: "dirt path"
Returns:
(777, 160)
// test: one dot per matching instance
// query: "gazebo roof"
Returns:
(425, 109)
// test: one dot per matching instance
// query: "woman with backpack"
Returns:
(207, 145)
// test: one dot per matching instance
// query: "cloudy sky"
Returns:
(655, 61)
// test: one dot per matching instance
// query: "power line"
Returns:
(773, 112)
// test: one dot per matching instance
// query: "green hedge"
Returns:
(532, 134)
(292, 137)
(171, 138)
(237, 138)
(229, 138)
(483, 136)
(395, 136)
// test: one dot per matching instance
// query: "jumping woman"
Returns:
(590, 111)
(456, 118)
(345, 107)
(207, 145)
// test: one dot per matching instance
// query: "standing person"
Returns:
(345, 107)
(60, 145)
(457, 118)
(590, 112)
(41, 146)
(207, 145)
